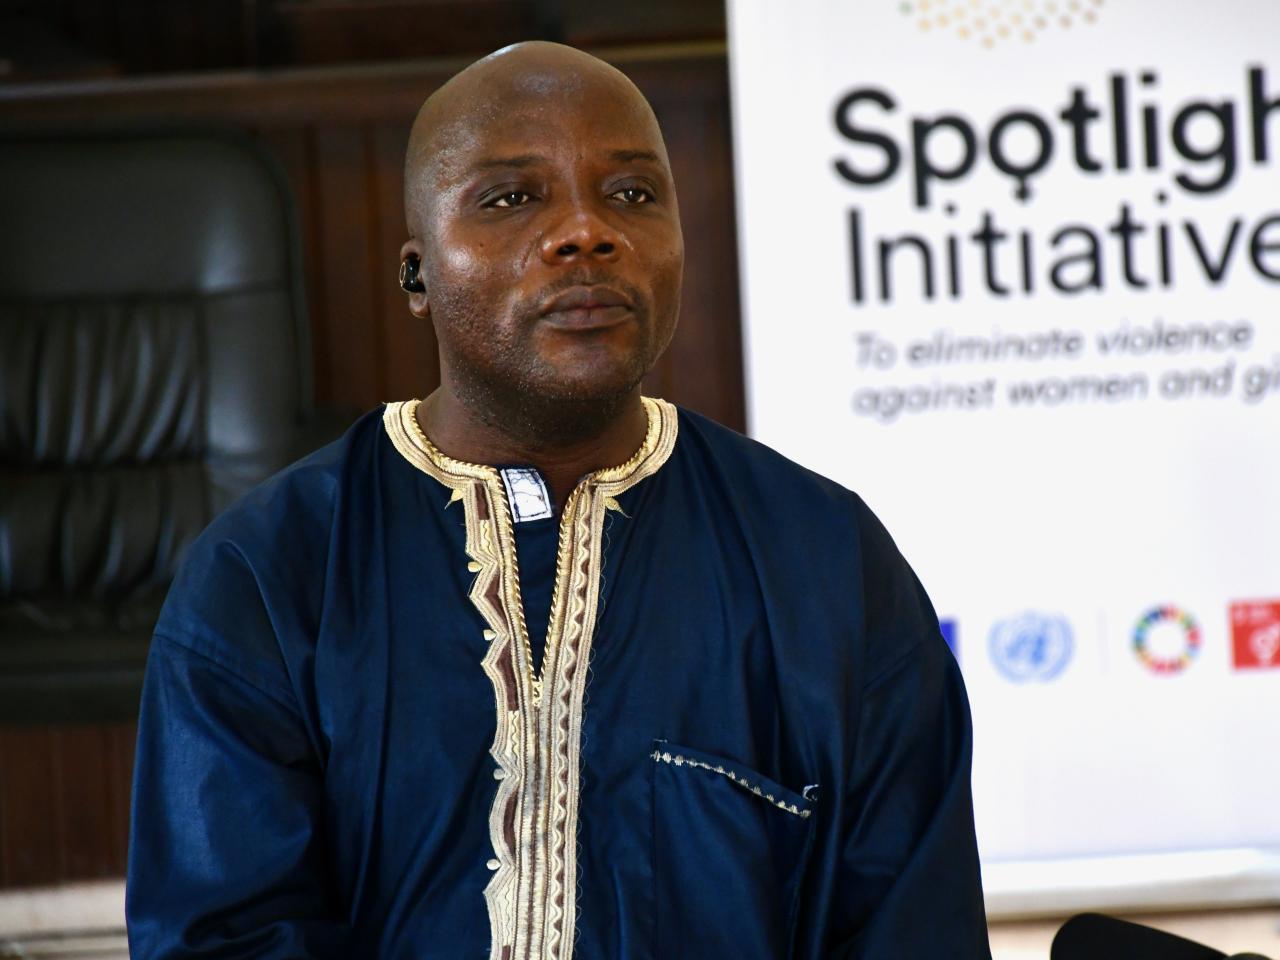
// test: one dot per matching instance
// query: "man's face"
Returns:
(551, 243)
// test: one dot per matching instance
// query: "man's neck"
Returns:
(463, 434)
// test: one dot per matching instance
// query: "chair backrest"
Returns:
(154, 364)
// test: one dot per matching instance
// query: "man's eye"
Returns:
(634, 195)
(512, 198)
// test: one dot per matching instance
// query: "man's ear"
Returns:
(411, 279)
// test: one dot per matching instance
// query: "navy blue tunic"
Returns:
(730, 728)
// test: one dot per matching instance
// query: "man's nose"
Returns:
(582, 234)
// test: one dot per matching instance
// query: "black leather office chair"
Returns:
(154, 364)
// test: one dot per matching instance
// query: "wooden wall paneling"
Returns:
(590, 23)
(111, 42)
(64, 802)
(30, 851)
(711, 363)
(148, 36)
(334, 95)
(136, 44)
(86, 826)
(310, 198)
(341, 275)
(186, 42)
(413, 365)
(121, 739)
(250, 33)
(347, 30)
(7, 775)
(10, 778)
(291, 147)
(218, 38)
(330, 96)
(703, 367)
(220, 34)
(92, 24)
(138, 36)
(380, 295)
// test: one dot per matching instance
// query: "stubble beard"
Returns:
(511, 390)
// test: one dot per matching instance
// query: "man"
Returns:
(537, 667)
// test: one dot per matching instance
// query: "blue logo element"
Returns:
(948, 628)
(1031, 647)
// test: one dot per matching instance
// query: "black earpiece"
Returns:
(409, 281)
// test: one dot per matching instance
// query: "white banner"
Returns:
(1011, 270)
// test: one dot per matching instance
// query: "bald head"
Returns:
(524, 83)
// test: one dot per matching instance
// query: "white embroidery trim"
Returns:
(678, 760)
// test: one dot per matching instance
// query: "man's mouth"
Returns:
(587, 308)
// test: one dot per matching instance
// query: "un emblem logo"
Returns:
(1031, 647)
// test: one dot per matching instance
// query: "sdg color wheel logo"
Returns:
(1166, 639)
(1031, 647)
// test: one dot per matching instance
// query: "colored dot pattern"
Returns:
(989, 23)
(1190, 634)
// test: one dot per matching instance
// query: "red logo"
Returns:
(1255, 634)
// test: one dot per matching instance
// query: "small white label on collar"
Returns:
(527, 494)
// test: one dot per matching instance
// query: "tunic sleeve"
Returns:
(908, 883)
(227, 856)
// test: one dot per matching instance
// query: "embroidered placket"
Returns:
(531, 896)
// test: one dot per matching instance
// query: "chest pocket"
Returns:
(729, 851)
